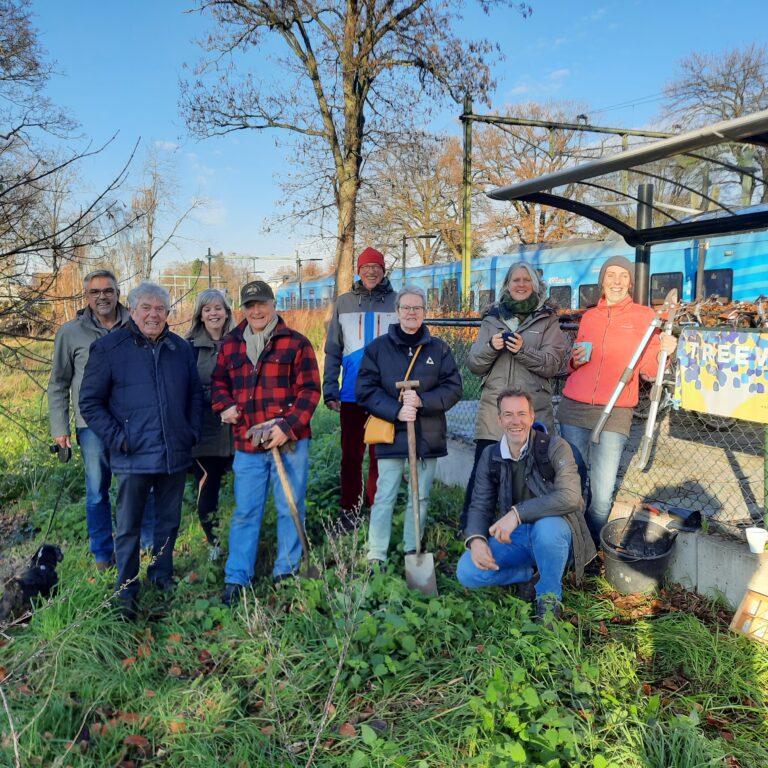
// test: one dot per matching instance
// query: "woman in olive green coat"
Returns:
(519, 346)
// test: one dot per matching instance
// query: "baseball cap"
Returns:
(256, 290)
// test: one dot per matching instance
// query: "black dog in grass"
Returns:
(38, 580)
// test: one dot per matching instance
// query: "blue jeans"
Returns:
(387, 486)
(98, 509)
(545, 544)
(600, 463)
(253, 473)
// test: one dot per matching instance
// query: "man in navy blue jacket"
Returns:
(141, 395)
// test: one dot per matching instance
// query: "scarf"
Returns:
(256, 341)
(513, 312)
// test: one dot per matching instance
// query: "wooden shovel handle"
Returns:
(288, 491)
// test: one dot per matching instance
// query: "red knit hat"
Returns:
(370, 256)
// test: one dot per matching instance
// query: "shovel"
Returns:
(259, 434)
(419, 567)
(310, 571)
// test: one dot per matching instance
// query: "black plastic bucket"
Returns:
(636, 554)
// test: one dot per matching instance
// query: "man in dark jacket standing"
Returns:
(538, 491)
(266, 378)
(141, 395)
(359, 316)
(102, 314)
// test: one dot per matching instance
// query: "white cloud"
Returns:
(166, 146)
(519, 89)
(559, 74)
(211, 213)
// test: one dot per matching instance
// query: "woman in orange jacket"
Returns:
(612, 331)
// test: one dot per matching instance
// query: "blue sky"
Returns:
(118, 66)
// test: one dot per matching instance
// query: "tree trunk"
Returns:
(345, 243)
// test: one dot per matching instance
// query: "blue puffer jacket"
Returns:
(386, 362)
(144, 401)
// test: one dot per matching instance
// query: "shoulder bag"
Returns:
(379, 431)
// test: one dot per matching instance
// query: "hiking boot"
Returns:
(105, 565)
(284, 577)
(548, 610)
(376, 566)
(127, 610)
(231, 593)
(526, 590)
(163, 585)
(348, 520)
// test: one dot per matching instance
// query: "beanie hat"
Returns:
(370, 256)
(617, 261)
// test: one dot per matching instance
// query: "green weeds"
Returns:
(355, 669)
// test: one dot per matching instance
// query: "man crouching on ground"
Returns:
(534, 477)
(266, 372)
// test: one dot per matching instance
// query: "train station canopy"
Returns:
(713, 166)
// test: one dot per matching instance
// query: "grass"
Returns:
(355, 670)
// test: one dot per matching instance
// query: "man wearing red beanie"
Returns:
(359, 316)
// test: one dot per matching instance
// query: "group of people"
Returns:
(151, 406)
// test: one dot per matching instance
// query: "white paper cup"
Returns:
(756, 538)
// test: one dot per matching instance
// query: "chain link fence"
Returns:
(700, 462)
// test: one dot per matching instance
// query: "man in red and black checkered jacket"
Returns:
(265, 372)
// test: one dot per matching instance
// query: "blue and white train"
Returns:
(735, 269)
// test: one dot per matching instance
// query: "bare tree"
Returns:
(42, 226)
(412, 191)
(710, 88)
(154, 203)
(507, 154)
(347, 77)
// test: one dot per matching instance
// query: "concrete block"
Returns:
(684, 560)
(456, 467)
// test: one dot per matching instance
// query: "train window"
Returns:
(561, 295)
(589, 295)
(471, 301)
(662, 283)
(293, 302)
(432, 296)
(449, 297)
(304, 304)
(718, 282)
(487, 298)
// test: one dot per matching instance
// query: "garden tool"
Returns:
(644, 451)
(259, 434)
(419, 567)
(630, 369)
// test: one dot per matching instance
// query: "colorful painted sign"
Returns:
(724, 373)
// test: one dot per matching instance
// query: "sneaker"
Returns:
(214, 552)
(284, 576)
(231, 593)
(376, 566)
(105, 565)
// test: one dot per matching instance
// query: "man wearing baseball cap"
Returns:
(266, 381)
(359, 316)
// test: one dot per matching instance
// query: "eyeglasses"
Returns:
(370, 268)
(407, 309)
(101, 292)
